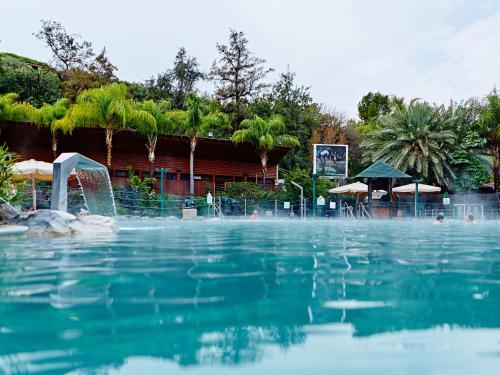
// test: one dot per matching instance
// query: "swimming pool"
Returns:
(263, 297)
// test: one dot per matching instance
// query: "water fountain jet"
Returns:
(93, 178)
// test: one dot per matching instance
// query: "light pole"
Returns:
(301, 198)
(416, 197)
(314, 194)
(162, 191)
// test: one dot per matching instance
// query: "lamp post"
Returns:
(314, 194)
(416, 197)
(162, 191)
(301, 198)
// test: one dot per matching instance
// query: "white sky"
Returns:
(433, 49)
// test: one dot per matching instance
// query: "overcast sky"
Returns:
(433, 49)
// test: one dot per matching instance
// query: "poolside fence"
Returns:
(132, 203)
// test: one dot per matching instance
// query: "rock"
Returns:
(7, 213)
(47, 222)
(59, 223)
(12, 229)
(94, 224)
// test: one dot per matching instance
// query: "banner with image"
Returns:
(330, 161)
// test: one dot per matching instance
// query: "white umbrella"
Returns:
(411, 189)
(33, 170)
(354, 188)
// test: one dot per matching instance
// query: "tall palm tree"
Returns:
(489, 125)
(105, 107)
(265, 135)
(49, 116)
(150, 119)
(417, 139)
(195, 122)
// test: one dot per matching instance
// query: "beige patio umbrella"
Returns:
(33, 170)
(354, 188)
(412, 188)
(416, 188)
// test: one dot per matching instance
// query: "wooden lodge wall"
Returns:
(216, 161)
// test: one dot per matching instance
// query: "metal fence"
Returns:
(130, 202)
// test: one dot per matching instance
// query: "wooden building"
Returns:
(216, 162)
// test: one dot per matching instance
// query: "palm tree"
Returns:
(197, 121)
(150, 120)
(6, 102)
(418, 139)
(105, 107)
(489, 125)
(11, 109)
(49, 116)
(264, 135)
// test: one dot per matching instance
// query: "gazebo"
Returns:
(381, 170)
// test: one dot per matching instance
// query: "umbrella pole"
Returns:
(416, 198)
(33, 191)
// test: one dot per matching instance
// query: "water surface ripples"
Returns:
(240, 296)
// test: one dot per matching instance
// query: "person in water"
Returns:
(254, 215)
(469, 219)
(439, 219)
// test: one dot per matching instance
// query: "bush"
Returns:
(304, 178)
(7, 187)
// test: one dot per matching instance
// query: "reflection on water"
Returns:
(215, 297)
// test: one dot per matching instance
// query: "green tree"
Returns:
(195, 122)
(489, 127)
(13, 110)
(106, 107)
(468, 161)
(6, 102)
(150, 119)
(176, 83)
(48, 116)
(415, 139)
(265, 135)
(7, 160)
(185, 75)
(74, 60)
(373, 105)
(301, 116)
(33, 81)
(237, 75)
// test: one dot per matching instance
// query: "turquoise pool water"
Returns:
(254, 298)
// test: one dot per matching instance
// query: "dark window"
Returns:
(239, 178)
(121, 174)
(146, 174)
(171, 176)
(184, 177)
(269, 181)
(222, 179)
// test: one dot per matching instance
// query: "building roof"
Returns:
(380, 169)
(84, 140)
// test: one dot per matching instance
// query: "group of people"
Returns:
(469, 219)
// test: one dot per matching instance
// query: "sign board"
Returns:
(330, 161)
(286, 205)
(446, 201)
(333, 205)
(320, 201)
